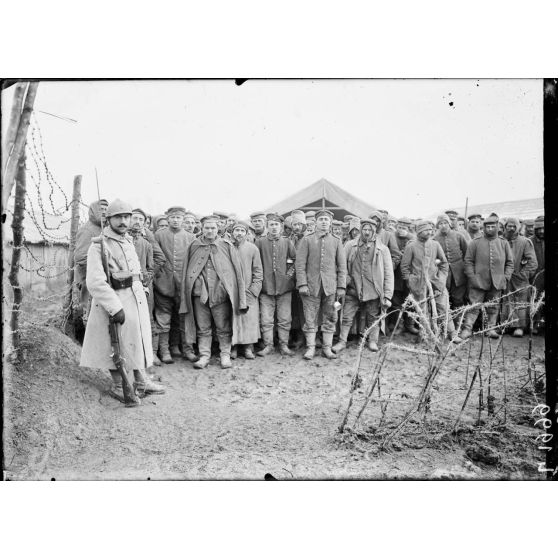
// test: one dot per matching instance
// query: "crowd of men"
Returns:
(248, 286)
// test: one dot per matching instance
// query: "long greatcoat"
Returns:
(136, 330)
(524, 261)
(226, 262)
(174, 245)
(454, 246)
(251, 263)
(489, 263)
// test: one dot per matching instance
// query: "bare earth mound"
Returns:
(276, 415)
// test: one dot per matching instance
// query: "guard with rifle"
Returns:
(118, 334)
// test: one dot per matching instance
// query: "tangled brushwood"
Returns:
(452, 387)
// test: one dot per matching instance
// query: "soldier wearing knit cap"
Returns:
(369, 283)
(425, 268)
(454, 246)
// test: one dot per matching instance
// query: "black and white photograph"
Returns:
(275, 279)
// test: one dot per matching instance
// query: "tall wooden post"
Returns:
(15, 115)
(17, 228)
(74, 225)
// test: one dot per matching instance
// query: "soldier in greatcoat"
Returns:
(489, 267)
(321, 275)
(424, 267)
(387, 237)
(474, 227)
(258, 225)
(124, 303)
(369, 282)
(454, 246)
(453, 217)
(250, 260)
(174, 242)
(403, 236)
(525, 265)
(213, 292)
(278, 258)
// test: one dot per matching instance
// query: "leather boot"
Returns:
(204, 348)
(144, 386)
(155, 344)
(189, 353)
(373, 339)
(343, 336)
(284, 343)
(249, 352)
(327, 340)
(117, 390)
(267, 338)
(164, 348)
(225, 351)
(310, 345)
(234, 352)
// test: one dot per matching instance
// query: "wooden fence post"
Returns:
(17, 228)
(74, 225)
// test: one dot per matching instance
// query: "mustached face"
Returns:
(239, 233)
(120, 223)
(274, 227)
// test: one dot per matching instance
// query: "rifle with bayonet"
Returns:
(130, 397)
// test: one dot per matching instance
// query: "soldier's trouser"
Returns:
(371, 309)
(480, 295)
(510, 310)
(297, 311)
(312, 306)
(397, 301)
(457, 294)
(164, 307)
(222, 317)
(269, 304)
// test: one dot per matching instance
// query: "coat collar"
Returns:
(109, 233)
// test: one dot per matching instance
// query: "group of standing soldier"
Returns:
(220, 280)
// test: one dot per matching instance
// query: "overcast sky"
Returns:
(211, 145)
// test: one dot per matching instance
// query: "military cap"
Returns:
(210, 218)
(257, 214)
(422, 224)
(242, 224)
(337, 223)
(539, 222)
(494, 215)
(405, 221)
(118, 207)
(274, 217)
(101, 201)
(475, 216)
(451, 212)
(376, 215)
(138, 210)
(298, 216)
(460, 218)
(391, 218)
(443, 217)
(529, 222)
(222, 215)
(347, 218)
(310, 215)
(325, 212)
(176, 209)
(492, 219)
(189, 213)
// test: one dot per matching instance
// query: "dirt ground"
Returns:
(277, 415)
